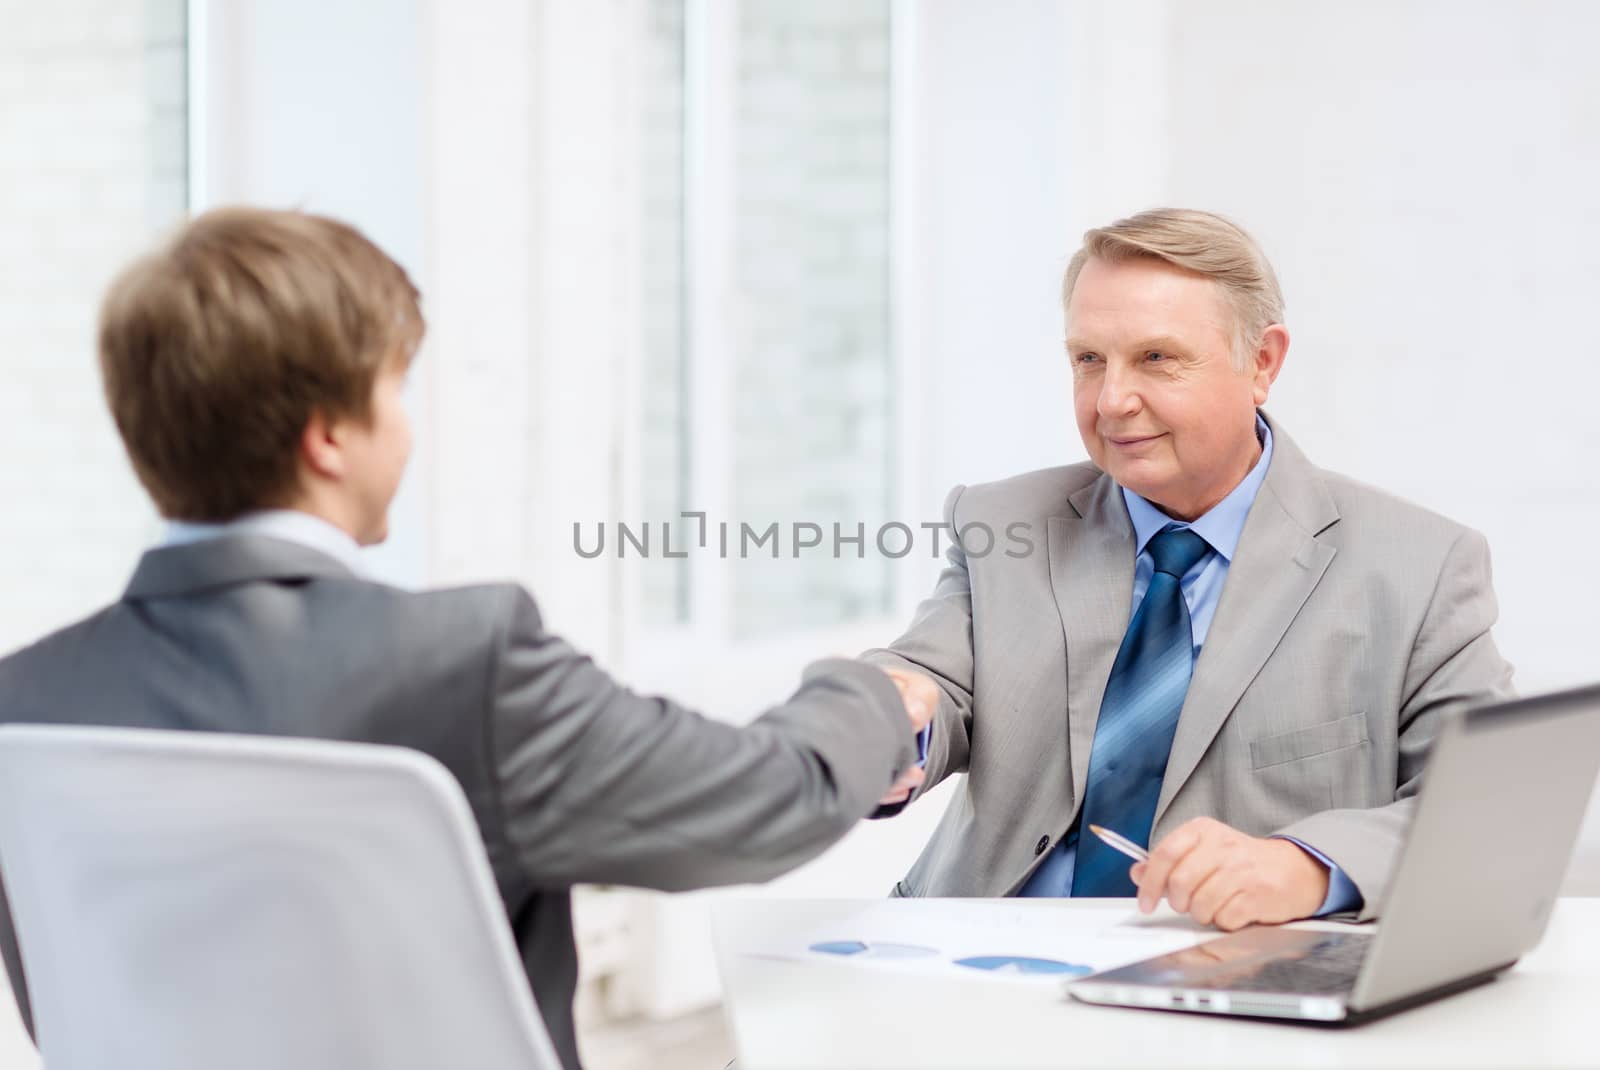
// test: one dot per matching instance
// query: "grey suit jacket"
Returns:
(572, 777)
(1350, 623)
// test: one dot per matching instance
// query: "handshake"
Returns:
(921, 696)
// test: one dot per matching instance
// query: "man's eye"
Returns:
(1085, 358)
(1153, 355)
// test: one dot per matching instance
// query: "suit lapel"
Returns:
(1276, 566)
(1091, 575)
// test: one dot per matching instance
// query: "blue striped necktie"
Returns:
(1138, 718)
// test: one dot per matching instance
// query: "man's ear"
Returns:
(1269, 357)
(321, 448)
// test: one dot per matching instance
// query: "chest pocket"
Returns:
(1309, 742)
(1324, 766)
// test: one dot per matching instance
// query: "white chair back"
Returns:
(192, 901)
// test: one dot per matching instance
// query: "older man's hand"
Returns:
(921, 697)
(1220, 876)
(919, 693)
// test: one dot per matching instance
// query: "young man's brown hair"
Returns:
(216, 350)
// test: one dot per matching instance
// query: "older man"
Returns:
(1216, 647)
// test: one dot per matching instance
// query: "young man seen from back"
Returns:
(254, 366)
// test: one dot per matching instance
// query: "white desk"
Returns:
(16, 1049)
(792, 1014)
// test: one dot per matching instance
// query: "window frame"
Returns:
(700, 660)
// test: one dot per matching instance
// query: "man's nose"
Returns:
(1118, 395)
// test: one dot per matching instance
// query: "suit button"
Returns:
(1038, 848)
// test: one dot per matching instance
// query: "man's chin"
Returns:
(1139, 475)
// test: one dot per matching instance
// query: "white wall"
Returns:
(91, 167)
(992, 171)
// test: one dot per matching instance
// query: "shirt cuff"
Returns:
(922, 746)
(1343, 895)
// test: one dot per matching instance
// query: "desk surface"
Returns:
(792, 1014)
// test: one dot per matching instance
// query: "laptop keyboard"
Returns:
(1329, 968)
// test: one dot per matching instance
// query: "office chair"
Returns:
(194, 901)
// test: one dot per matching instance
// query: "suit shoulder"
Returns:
(1041, 492)
(40, 650)
(1369, 508)
(468, 609)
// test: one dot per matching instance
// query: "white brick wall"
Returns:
(92, 167)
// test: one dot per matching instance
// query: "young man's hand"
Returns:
(921, 697)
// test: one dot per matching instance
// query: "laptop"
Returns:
(1502, 799)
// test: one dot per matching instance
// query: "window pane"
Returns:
(812, 426)
(664, 456)
(93, 164)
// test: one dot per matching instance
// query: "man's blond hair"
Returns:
(1204, 243)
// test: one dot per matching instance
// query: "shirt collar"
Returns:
(1223, 523)
(288, 524)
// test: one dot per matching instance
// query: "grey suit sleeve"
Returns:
(1454, 664)
(599, 784)
(939, 643)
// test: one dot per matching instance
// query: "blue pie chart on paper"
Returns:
(1022, 964)
(862, 949)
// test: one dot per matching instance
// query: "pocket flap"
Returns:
(1309, 742)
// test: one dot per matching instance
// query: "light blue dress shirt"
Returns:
(290, 525)
(1221, 527)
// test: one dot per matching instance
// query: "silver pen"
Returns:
(1120, 843)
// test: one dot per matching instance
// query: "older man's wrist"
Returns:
(1340, 893)
(1308, 881)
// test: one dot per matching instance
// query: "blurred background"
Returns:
(799, 261)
